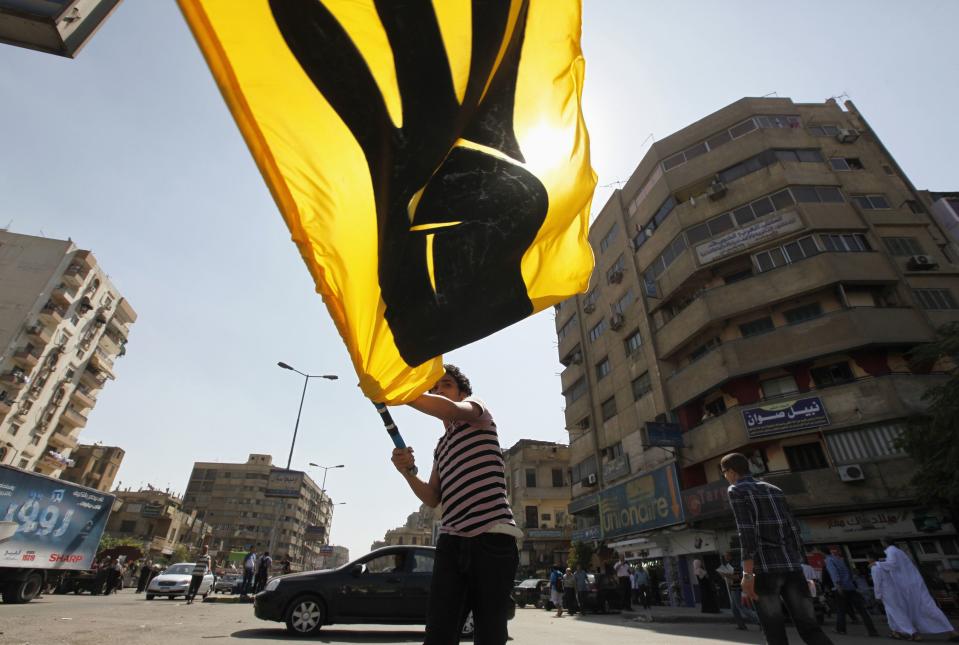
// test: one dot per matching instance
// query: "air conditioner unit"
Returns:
(590, 308)
(716, 190)
(851, 473)
(921, 263)
(847, 135)
(577, 359)
(617, 321)
(590, 480)
(615, 277)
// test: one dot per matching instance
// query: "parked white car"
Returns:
(175, 581)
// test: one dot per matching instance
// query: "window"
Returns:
(903, 246)
(720, 224)
(609, 408)
(778, 386)
(715, 407)
(558, 478)
(532, 517)
(584, 469)
(703, 349)
(531, 478)
(591, 298)
(806, 456)
(935, 298)
(632, 342)
(698, 233)
(575, 355)
(577, 390)
(743, 128)
(771, 259)
(641, 386)
(566, 328)
(803, 313)
(597, 330)
(832, 374)
(778, 121)
(14, 429)
(609, 238)
(719, 139)
(739, 275)
(801, 249)
(799, 155)
(602, 369)
(845, 163)
(782, 199)
(915, 207)
(756, 327)
(622, 305)
(823, 130)
(128, 526)
(845, 243)
(615, 272)
(584, 423)
(816, 194)
(871, 202)
(23, 463)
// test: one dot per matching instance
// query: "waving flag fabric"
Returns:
(429, 158)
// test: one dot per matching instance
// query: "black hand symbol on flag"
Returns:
(449, 264)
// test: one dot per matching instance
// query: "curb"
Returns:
(678, 618)
(228, 600)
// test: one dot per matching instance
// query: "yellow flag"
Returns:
(429, 158)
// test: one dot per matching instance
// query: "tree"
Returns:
(933, 438)
(181, 554)
(109, 542)
(581, 553)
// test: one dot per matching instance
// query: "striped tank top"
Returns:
(469, 462)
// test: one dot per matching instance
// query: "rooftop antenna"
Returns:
(9, 224)
(770, 94)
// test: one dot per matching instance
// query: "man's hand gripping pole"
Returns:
(392, 430)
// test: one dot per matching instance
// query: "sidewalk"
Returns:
(660, 614)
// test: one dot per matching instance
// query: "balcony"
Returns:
(125, 312)
(61, 295)
(73, 418)
(102, 362)
(5, 406)
(62, 440)
(92, 377)
(716, 305)
(52, 313)
(863, 401)
(84, 397)
(27, 357)
(39, 335)
(75, 274)
(119, 330)
(15, 378)
(84, 260)
(833, 332)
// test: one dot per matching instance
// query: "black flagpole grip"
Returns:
(392, 430)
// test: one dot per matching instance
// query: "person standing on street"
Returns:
(476, 555)
(581, 580)
(910, 609)
(145, 569)
(625, 586)
(735, 591)
(203, 564)
(641, 586)
(262, 572)
(846, 593)
(569, 592)
(707, 593)
(771, 553)
(249, 566)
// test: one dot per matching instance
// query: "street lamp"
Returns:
(325, 469)
(306, 381)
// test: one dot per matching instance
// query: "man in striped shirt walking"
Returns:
(476, 556)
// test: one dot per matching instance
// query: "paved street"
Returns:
(128, 618)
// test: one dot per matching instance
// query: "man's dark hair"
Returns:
(735, 461)
(462, 382)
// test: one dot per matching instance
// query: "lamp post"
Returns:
(325, 470)
(296, 427)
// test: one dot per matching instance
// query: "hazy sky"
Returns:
(130, 151)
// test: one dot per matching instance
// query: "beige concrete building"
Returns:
(256, 504)
(94, 465)
(418, 529)
(759, 279)
(157, 518)
(538, 489)
(63, 324)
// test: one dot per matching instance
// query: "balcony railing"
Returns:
(73, 418)
(27, 357)
(52, 313)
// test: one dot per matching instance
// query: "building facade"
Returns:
(759, 281)
(94, 466)
(255, 504)
(63, 324)
(538, 489)
(157, 518)
(418, 529)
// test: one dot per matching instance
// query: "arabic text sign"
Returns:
(646, 502)
(284, 483)
(314, 532)
(787, 416)
(664, 434)
(760, 230)
(58, 525)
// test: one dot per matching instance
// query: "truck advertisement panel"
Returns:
(48, 523)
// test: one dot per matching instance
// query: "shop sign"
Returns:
(709, 500)
(644, 503)
(584, 535)
(544, 533)
(152, 510)
(663, 435)
(785, 416)
(616, 468)
(284, 483)
(314, 532)
(755, 233)
(582, 503)
(867, 525)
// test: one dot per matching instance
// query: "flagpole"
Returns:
(392, 430)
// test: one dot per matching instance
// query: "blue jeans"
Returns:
(247, 585)
(789, 588)
(471, 574)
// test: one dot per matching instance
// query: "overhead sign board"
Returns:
(709, 500)
(643, 503)
(314, 532)
(284, 483)
(662, 435)
(786, 416)
(758, 231)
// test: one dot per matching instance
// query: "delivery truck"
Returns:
(47, 526)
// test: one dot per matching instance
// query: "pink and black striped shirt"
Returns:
(472, 475)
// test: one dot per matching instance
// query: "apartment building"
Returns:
(759, 281)
(538, 489)
(63, 324)
(157, 518)
(94, 466)
(256, 504)
(418, 529)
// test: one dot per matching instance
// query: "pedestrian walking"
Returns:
(847, 596)
(476, 555)
(910, 609)
(262, 572)
(640, 582)
(203, 564)
(581, 581)
(625, 586)
(731, 577)
(707, 593)
(249, 567)
(569, 592)
(145, 568)
(771, 554)
(556, 589)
